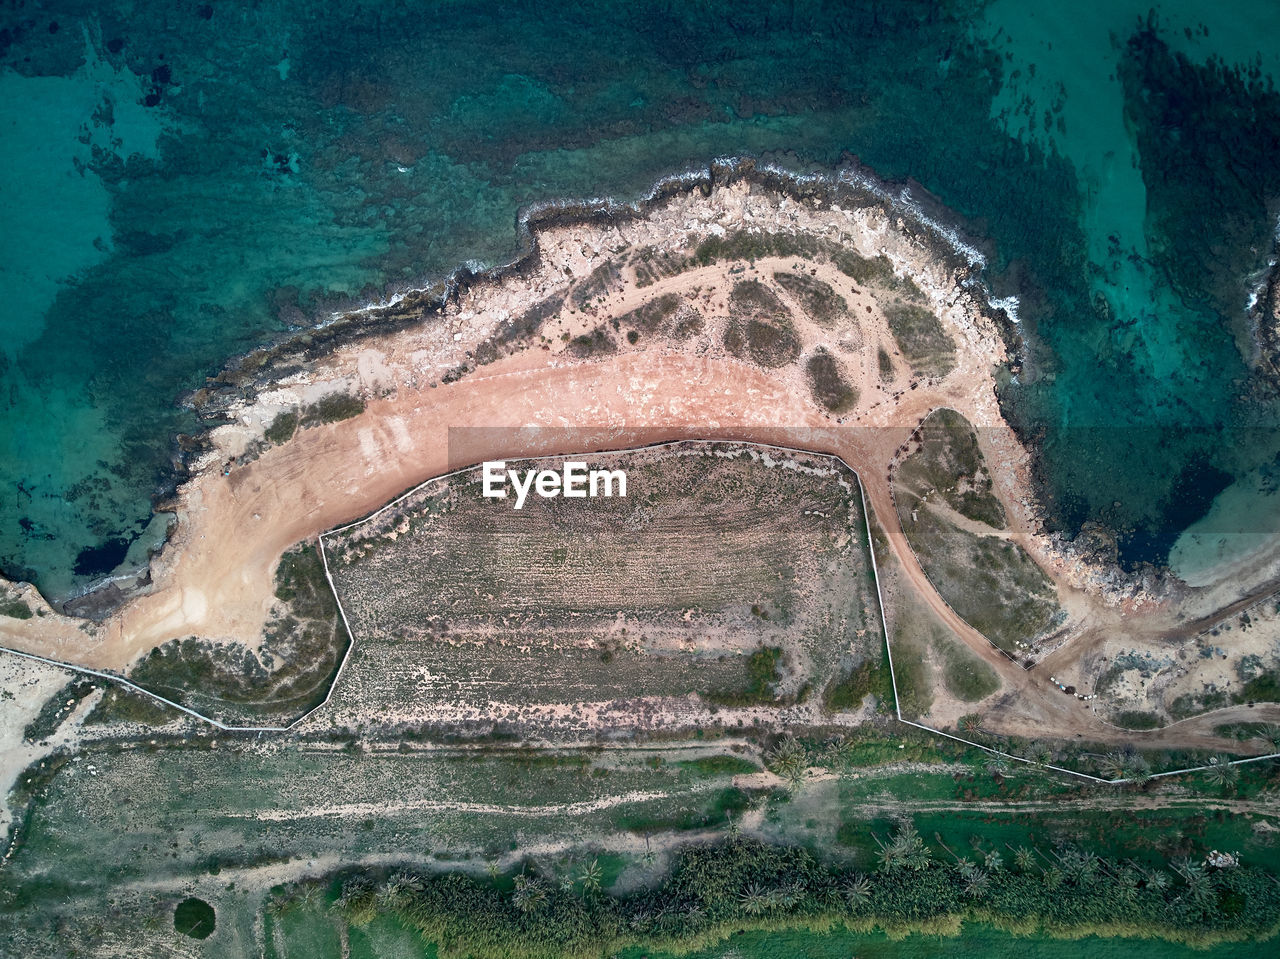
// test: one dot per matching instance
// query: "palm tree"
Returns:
(1271, 733)
(400, 886)
(1157, 880)
(1138, 770)
(1079, 867)
(857, 891)
(788, 759)
(788, 895)
(906, 850)
(591, 877)
(1127, 883)
(1041, 753)
(754, 900)
(997, 766)
(735, 827)
(358, 902)
(977, 883)
(1193, 874)
(529, 894)
(1024, 859)
(1221, 771)
(994, 861)
(840, 753)
(1112, 765)
(969, 722)
(309, 895)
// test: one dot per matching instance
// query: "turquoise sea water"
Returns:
(182, 182)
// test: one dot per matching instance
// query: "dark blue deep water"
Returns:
(182, 181)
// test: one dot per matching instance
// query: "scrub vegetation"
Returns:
(954, 522)
(920, 336)
(289, 674)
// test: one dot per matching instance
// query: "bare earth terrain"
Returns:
(745, 315)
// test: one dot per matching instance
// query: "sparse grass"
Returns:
(823, 304)
(667, 315)
(444, 583)
(992, 583)
(828, 385)
(16, 608)
(650, 316)
(760, 327)
(287, 676)
(720, 765)
(948, 463)
(966, 676)
(925, 345)
(601, 281)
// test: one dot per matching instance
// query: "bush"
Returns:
(332, 409)
(763, 672)
(195, 918)
(15, 608)
(829, 388)
(282, 428)
(1137, 719)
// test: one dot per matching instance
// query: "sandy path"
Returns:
(216, 579)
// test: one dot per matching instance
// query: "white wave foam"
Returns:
(900, 199)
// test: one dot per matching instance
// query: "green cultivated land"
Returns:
(157, 825)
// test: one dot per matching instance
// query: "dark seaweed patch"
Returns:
(103, 558)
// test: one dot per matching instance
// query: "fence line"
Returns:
(866, 518)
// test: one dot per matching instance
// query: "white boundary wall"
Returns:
(351, 640)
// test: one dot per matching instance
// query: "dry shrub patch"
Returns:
(823, 304)
(760, 327)
(828, 385)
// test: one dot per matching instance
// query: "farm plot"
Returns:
(152, 825)
(728, 572)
